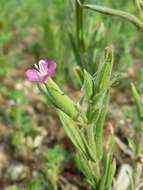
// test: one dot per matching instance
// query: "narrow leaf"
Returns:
(76, 136)
(138, 101)
(99, 126)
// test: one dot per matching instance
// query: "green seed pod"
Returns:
(60, 100)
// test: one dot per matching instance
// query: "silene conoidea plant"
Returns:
(84, 120)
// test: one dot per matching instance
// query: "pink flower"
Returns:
(42, 71)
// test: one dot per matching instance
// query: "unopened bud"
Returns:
(88, 85)
(78, 74)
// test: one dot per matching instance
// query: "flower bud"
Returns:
(88, 85)
(78, 74)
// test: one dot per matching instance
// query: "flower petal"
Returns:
(32, 75)
(43, 66)
(52, 68)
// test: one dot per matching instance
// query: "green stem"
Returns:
(113, 12)
(97, 171)
(80, 32)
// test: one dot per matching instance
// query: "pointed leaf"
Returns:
(138, 101)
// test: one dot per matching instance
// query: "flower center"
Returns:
(40, 69)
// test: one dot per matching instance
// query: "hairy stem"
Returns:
(79, 31)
